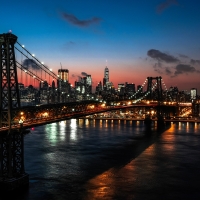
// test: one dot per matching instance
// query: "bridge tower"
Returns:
(12, 173)
(154, 88)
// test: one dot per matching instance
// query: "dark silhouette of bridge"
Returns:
(15, 118)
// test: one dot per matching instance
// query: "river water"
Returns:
(105, 159)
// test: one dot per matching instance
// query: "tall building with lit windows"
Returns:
(84, 85)
(64, 74)
(106, 76)
(63, 81)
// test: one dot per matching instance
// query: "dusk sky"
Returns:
(133, 38)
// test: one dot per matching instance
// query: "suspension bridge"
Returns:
(16, 116)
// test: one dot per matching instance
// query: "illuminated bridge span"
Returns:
(38, 115)
(14, 117)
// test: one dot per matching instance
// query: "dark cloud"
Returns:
(182, 56)
(158, 71)
(161, 7)
(159, 56)
(159, 64)
(30, 63)
(194, 62)
(158, 68)
(83, 73)
(184, 69)
(72, 19)
(168, 71)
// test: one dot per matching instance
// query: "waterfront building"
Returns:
(84, 85)
(99, 88)
(121, 88)
(174, 92)
(21, 86)
(129, 88)
(87, 81)
(193, 94)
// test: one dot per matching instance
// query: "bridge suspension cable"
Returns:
(167, 91)
(37, 62)
(140, 89)
(20, 66)
(146, 94)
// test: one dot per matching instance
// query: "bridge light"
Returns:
(21, 121)
(45, 114)
(42, 63)
(23, 46)
(21, 117)
(50, 69)
(33, 55)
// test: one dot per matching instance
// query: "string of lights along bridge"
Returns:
(32, 94)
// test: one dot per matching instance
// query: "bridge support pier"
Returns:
(12, 174)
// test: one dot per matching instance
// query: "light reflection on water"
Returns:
(52, 132)
(161, 165)
(102, 159)
(73, 131)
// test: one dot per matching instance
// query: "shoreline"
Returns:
(135, 119)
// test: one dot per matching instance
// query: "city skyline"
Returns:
(133, 39)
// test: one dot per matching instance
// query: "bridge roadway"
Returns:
(29, 116)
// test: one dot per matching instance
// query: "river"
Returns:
(105, 159)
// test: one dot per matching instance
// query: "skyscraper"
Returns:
(63, 82)
(64, 74)
(106, 78)
(106, 75)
